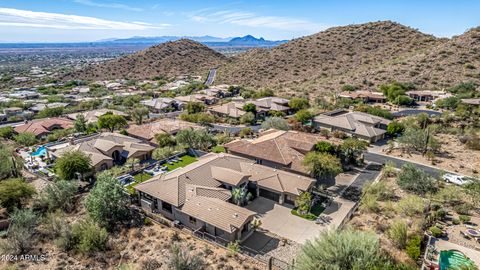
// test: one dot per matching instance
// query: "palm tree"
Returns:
(240, 196)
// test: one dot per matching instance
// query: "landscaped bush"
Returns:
(369, 203)
(463, 208)
(464, 218)
(436, 232)
(455, 221)
(413, 247)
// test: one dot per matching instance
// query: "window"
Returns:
(258, 161)
(192, 220)
(167, 207)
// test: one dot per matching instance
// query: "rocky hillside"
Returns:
(167, 59)
(363, 55)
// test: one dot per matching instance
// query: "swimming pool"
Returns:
(453, 259)
(41, 151)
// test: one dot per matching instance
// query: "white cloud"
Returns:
(253, 20)
(27, 18)
(107, 5)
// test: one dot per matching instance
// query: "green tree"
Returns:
(304, 203)
(325, 147)
(107, 203)
(111, 121)
(7, 132)
(250, 107)
(182, 259)
(196, 139)
(414, 139)
(58, 195)
(276, 123)
(71, 163)
(322, 165)
(11, 164)
(298, 104)
(21, 230)
(195, 107)
(303, 116)
(14, 193)
(248, 118)
(80, 123)
(164, 139)
(351, 149)
(163, 153)
(240, 196)
(403, 100)
(340, 249)
(26, 139)
(139, 113)
(415, 180)
(395, 128)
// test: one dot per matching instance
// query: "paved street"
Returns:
(211, 77)
(382, 159)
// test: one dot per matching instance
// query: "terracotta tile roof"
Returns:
(43, 126)
(283, 147)
(221, 214)
(165, 125)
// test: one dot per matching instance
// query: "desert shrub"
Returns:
(182, 259)
(233, 247)
(21, 230)
(147, 221)
(463, 208)
(415, 180)
(325, 147)
(436, 232)
(411, 205)
(276, 123)
(58, 195)
(341, 249)
(455, 221)
(369, 203)
(464, 218)
(245, 132)
(14, 193)
(441, 214)
(88, 237)
(379, 190)
(339, 134)
(413, 247)
(398, 233)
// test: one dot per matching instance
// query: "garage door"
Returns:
(269, 195)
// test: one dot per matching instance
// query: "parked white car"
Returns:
(456, 179)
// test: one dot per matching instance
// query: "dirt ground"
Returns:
(454, 156)
(138, 248)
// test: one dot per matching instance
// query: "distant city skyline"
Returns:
(93, 20)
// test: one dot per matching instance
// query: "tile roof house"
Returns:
(108, 148)
(276, 148)
(230, 109)
(93, 115)
(366, 96)
(357, 124)
(146, 132)
(198, 195)
(43, 127)
(234, 109)
(201, 98)
(163, 104)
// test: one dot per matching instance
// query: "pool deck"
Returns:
(446, 245)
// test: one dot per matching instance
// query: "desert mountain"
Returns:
(326, 60)
(167, 59)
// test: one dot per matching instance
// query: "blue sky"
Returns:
(90, 20)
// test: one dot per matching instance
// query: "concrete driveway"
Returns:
(278, 220)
